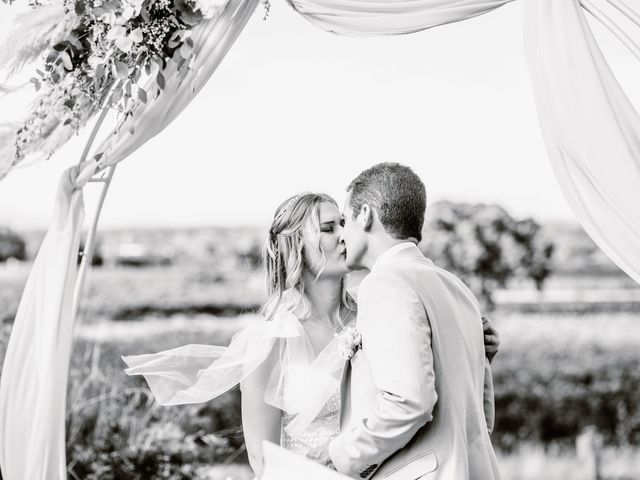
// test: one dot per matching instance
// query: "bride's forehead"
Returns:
(329, 213)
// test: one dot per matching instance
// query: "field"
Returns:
(564, 369)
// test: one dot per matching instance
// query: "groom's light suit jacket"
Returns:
(417, 400)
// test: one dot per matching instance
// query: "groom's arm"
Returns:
(396, 340)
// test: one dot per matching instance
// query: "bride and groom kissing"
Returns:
(391, 380)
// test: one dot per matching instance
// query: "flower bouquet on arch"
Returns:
(89, 55)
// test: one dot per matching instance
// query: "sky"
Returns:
(293, 108)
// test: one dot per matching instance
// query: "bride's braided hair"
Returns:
(296, 223)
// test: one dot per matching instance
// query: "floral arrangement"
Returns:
(349, 341)
(98, 54)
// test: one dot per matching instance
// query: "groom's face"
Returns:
(354, 237)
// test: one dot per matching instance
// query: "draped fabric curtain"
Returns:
(389, 17)
(591, 129)
(34, 374)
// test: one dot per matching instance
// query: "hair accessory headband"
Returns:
(286, 207)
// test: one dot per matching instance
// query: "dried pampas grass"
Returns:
(7, 148)
(33, 32)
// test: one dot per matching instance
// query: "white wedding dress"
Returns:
(323, 428)
(305, 387)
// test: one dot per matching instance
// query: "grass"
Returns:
(556, 373)
(115, 430)
(532, 462)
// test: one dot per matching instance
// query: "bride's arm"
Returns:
(260, 421)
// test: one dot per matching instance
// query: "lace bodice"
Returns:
(324, 427)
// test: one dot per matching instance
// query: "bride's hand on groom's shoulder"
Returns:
(320, 454)
(491, 339)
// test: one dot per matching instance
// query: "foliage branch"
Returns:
(98, 54)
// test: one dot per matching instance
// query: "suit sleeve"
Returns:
(396, 341)
(488, 396)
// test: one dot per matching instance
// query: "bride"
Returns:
(289, 363)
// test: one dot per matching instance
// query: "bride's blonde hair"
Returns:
(292, 247)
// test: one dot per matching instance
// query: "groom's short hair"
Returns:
(397, 194)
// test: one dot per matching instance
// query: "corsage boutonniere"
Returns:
(349, 341)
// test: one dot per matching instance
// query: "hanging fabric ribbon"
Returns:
(389, 17)
(33, 385)
(591, 129)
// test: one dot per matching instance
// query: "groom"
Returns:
(413, 403)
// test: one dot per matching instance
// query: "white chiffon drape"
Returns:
(33, 385)
(591, 129)
(300, 382)
(389, 17)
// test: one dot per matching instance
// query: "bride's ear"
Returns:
(366, 217)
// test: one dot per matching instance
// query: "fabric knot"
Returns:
(283, 325)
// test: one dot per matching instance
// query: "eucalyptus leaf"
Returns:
(117, 95)
(79, 8)
(175, 39)
(66, 60)
(185, 50)
(142, 95)
(122, 69)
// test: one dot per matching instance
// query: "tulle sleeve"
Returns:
(198, 373)
(300, 384)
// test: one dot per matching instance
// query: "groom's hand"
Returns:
(491, 339)
(320, 454)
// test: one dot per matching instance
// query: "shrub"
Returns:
(550, 397)
(485, 246)
(11, 245)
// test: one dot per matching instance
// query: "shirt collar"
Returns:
(387, 254)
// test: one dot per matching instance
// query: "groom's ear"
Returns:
(366, 217)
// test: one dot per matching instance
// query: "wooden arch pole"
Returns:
(89, 246)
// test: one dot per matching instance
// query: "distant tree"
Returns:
(485, 246)
(12, 245)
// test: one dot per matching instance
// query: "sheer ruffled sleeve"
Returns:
(198, 373)
(299, 384)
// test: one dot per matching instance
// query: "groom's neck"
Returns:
(377, 246)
